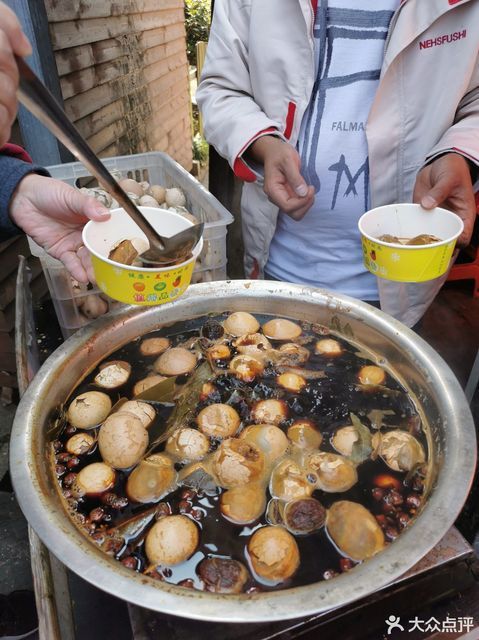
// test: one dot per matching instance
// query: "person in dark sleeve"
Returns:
(51, 212)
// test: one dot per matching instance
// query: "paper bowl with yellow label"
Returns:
(402, 262)
(131, 284)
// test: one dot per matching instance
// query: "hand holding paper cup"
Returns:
(408, 262)
(138, 284)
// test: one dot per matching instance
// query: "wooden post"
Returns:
(43, 147)
(200, 60)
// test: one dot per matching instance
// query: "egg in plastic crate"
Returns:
(155, 168)
(158, 168)
(75, 304)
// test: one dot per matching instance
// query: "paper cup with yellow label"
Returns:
(138, 285)
(408, 263)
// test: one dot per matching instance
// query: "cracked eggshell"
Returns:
(116, 174)
(133, 197)
(89, 409)
(240, 323)
(344, 439)
(354, 530)
(335, 472)
(175, 362)
(147, 383)
(290, 482)
(152, 479)
(142, 410)
(328, 347)
(99, 194)
(399, 449)
(246, 367)
(79, 444)
(154, 346)
(269, 411)
(94, 479)
(237, 463)
(244, 504)
(269, 438)
(218, 421)
(281, 329)
(171, 540)
(291, 381)
(188, 445)
(113, 374)
(253, 344)
(273, 554)
(219, 352)
(295, 353)
(304, 435)
(372, 375)
(122, 440)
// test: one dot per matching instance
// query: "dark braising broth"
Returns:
(319, 513)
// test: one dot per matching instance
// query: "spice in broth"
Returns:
(241, 453)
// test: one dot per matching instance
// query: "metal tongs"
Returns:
(40, 102)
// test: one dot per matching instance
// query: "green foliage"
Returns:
(200, 149)
(197, 24)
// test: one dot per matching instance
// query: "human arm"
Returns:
(12, 42)
(232, 119)
(53, 214)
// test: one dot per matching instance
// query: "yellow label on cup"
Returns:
(147, 287)
(408, 264)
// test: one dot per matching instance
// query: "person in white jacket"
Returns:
(326, 109)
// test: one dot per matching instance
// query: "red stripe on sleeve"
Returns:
(15, 151)
(240, 168)
(290, 120)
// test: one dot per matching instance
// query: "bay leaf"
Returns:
(163, 392)
(363, 446)
(376, 417)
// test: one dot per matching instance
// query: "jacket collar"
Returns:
(411, 19)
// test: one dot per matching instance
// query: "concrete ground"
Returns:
(451, 326)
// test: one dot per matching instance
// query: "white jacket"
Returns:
(258, 78)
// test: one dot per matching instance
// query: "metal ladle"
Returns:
(40, 102)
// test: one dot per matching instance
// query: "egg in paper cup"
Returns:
(408, 263)
(138, 285)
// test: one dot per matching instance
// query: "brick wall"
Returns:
(124, 73)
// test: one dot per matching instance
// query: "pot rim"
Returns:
(62, 537)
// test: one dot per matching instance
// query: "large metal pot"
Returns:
(452, 445)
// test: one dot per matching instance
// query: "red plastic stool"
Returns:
(468, 270)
